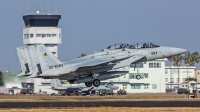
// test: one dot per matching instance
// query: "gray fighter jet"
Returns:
(38, 62)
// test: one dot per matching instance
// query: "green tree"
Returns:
(190, 79)
(196, 59)
(1, 79)
(177, 62)
(82, 55)
(188, 60)
(171, 59)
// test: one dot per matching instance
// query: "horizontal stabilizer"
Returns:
(23, 74)
(32, 76)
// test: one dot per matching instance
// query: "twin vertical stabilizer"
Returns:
(36, 59)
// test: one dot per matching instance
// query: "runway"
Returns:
(99, 104)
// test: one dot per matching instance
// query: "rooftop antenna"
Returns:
(34, 9)
(27, 7)
(56, 10)
(46, 8)
(40, 8)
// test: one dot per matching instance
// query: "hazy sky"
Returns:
(91, 25)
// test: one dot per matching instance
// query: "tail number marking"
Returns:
(55, 66)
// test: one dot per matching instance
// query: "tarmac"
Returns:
(100, 104)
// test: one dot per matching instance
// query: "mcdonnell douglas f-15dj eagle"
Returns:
(38, 62)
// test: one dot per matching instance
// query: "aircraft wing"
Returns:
(120, 61)
(99, 61)
(134, 59)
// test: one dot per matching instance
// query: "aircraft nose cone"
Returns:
(177, 51)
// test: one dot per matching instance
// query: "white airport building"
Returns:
(171, 75)
(155, 77)
(152, 79)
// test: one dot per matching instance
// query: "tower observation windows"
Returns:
(41, 20)
(43, 35)
(53, 35)
(38, 35)
(31, 35)
(26, 36)
(48, 35)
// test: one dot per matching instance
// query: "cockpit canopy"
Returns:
(141, 45)
(118, 46)
(138, 45)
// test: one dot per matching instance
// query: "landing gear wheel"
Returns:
(138, 77)
(88, 84)
(96, 82)
(71, 81)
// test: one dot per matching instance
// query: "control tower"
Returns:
(42, 28)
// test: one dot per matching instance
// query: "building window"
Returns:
(142, 75)
(59, 35)
(154, 86)
(53, 35)
(158, 65)
(31, 35)
(146, 75)
(38, 35)
(192, 84)
(44, 35)
(135, 86)
(26, 36)
(166, 79)
(48, 35)
(150, 65)
(154, 65)
(166, 71)
(124, 85)
(132, 86)
(139, 65)
(131, 75)
(174, 71)
(176, 80)
(187, 71)
(172, 80)
(184, 79)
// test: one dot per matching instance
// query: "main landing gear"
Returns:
(88, 84)
(95, 82)
(71, 81)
